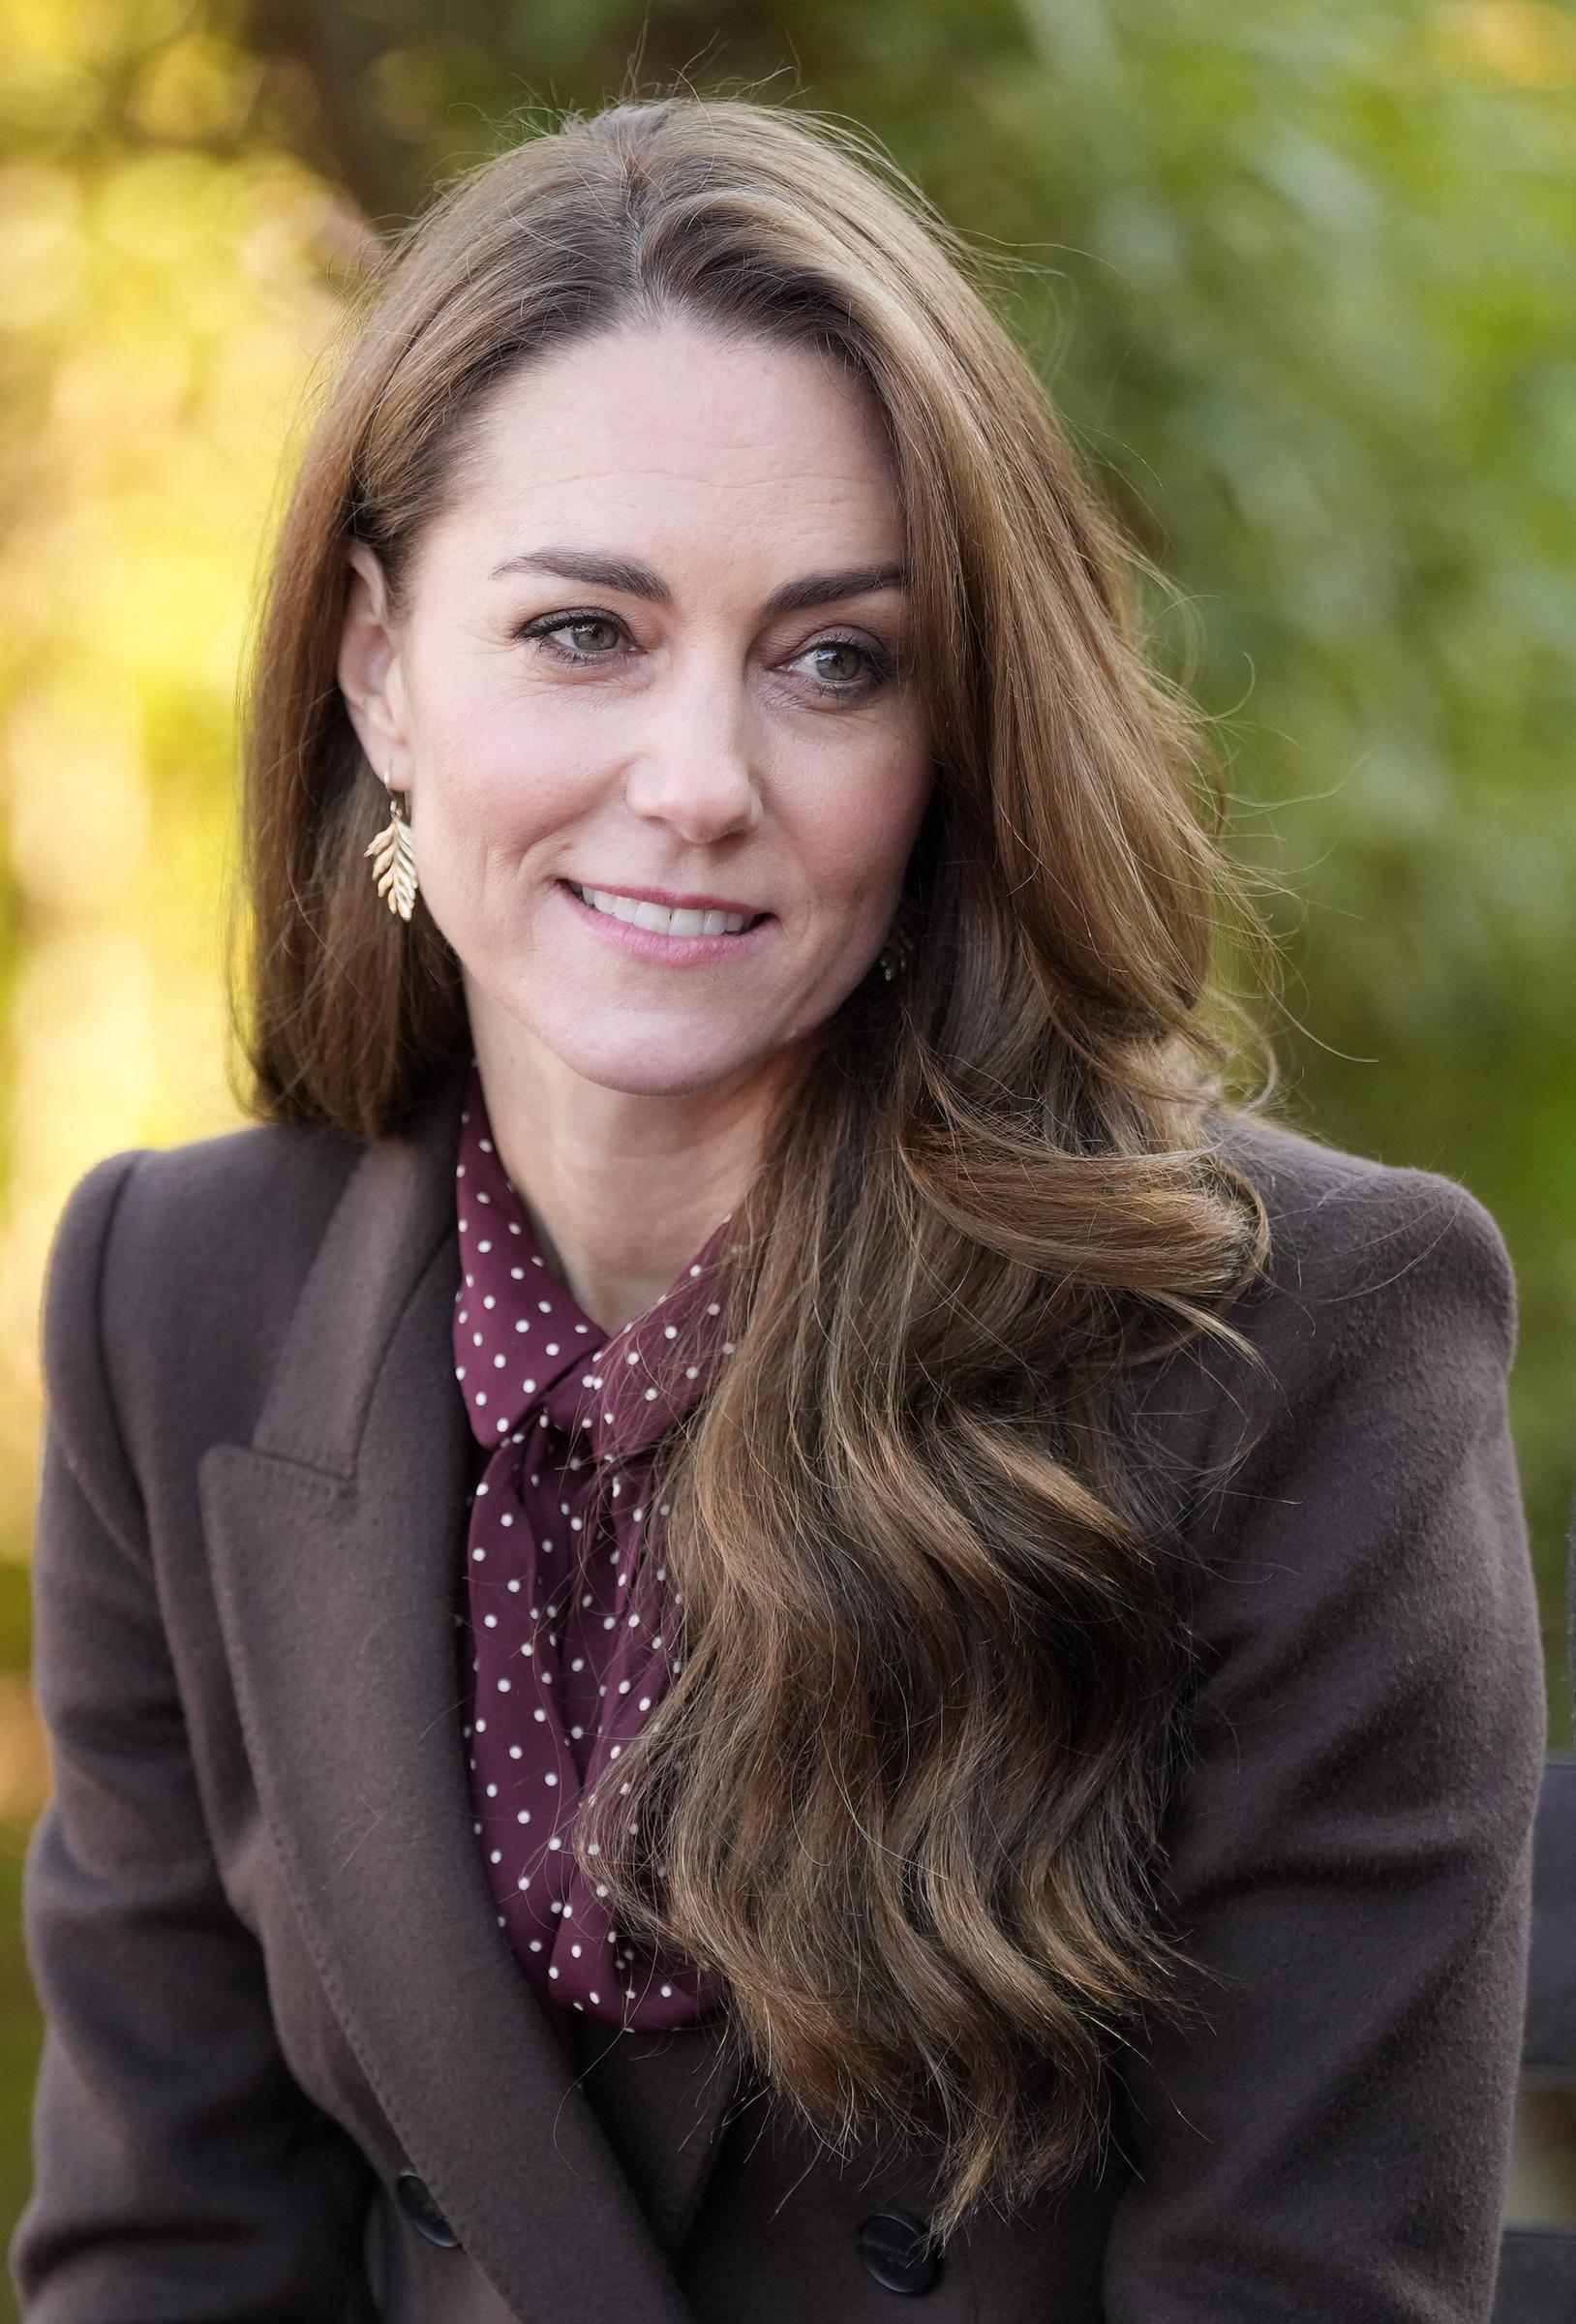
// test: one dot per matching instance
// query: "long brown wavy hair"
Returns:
(905, 1793)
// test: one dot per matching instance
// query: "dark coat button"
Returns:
(897, 2249)
(415, 2199)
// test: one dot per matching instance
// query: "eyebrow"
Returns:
(635, 578)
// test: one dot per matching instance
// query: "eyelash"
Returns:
(880, 664)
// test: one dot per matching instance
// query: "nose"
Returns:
(693, 768)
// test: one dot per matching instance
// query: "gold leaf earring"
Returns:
(394, 865)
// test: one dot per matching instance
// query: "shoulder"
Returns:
(1356, 1243)
(190, 1219)
(1384, 1315)
(1327, 1201)
(178, 1264)
(1382, 1329)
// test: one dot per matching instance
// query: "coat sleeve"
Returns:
(1349, 1850)
(180, 2172)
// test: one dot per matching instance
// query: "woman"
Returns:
(691, 1674)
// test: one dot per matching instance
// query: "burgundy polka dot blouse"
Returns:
(571, 1653)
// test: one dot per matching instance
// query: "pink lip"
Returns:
(667, 952)
(671, 898)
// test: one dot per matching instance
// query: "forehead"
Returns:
(635, 434)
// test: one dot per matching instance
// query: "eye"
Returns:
(876, 665)
(546, 627)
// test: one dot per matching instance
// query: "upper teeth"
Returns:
(666, 920)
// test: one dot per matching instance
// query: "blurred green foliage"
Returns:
(1302, 278)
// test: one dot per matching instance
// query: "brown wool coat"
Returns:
(287, 2041)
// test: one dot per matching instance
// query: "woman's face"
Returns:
(656, 656)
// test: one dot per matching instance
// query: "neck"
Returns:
(622, 1187)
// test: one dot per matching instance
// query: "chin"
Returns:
(639, 1063)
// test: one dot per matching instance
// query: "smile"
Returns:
(663, 919)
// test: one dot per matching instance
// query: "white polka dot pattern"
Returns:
(572, 1647)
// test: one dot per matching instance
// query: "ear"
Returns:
(369, 672)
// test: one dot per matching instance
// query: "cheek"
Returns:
(496, 792)
(856, 837)
(509, 758)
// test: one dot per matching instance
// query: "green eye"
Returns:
(843, 645)
(548, 627)
(876, 670)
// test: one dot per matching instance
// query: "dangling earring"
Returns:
(394, 866)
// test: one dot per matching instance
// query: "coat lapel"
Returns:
(337, 1544)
